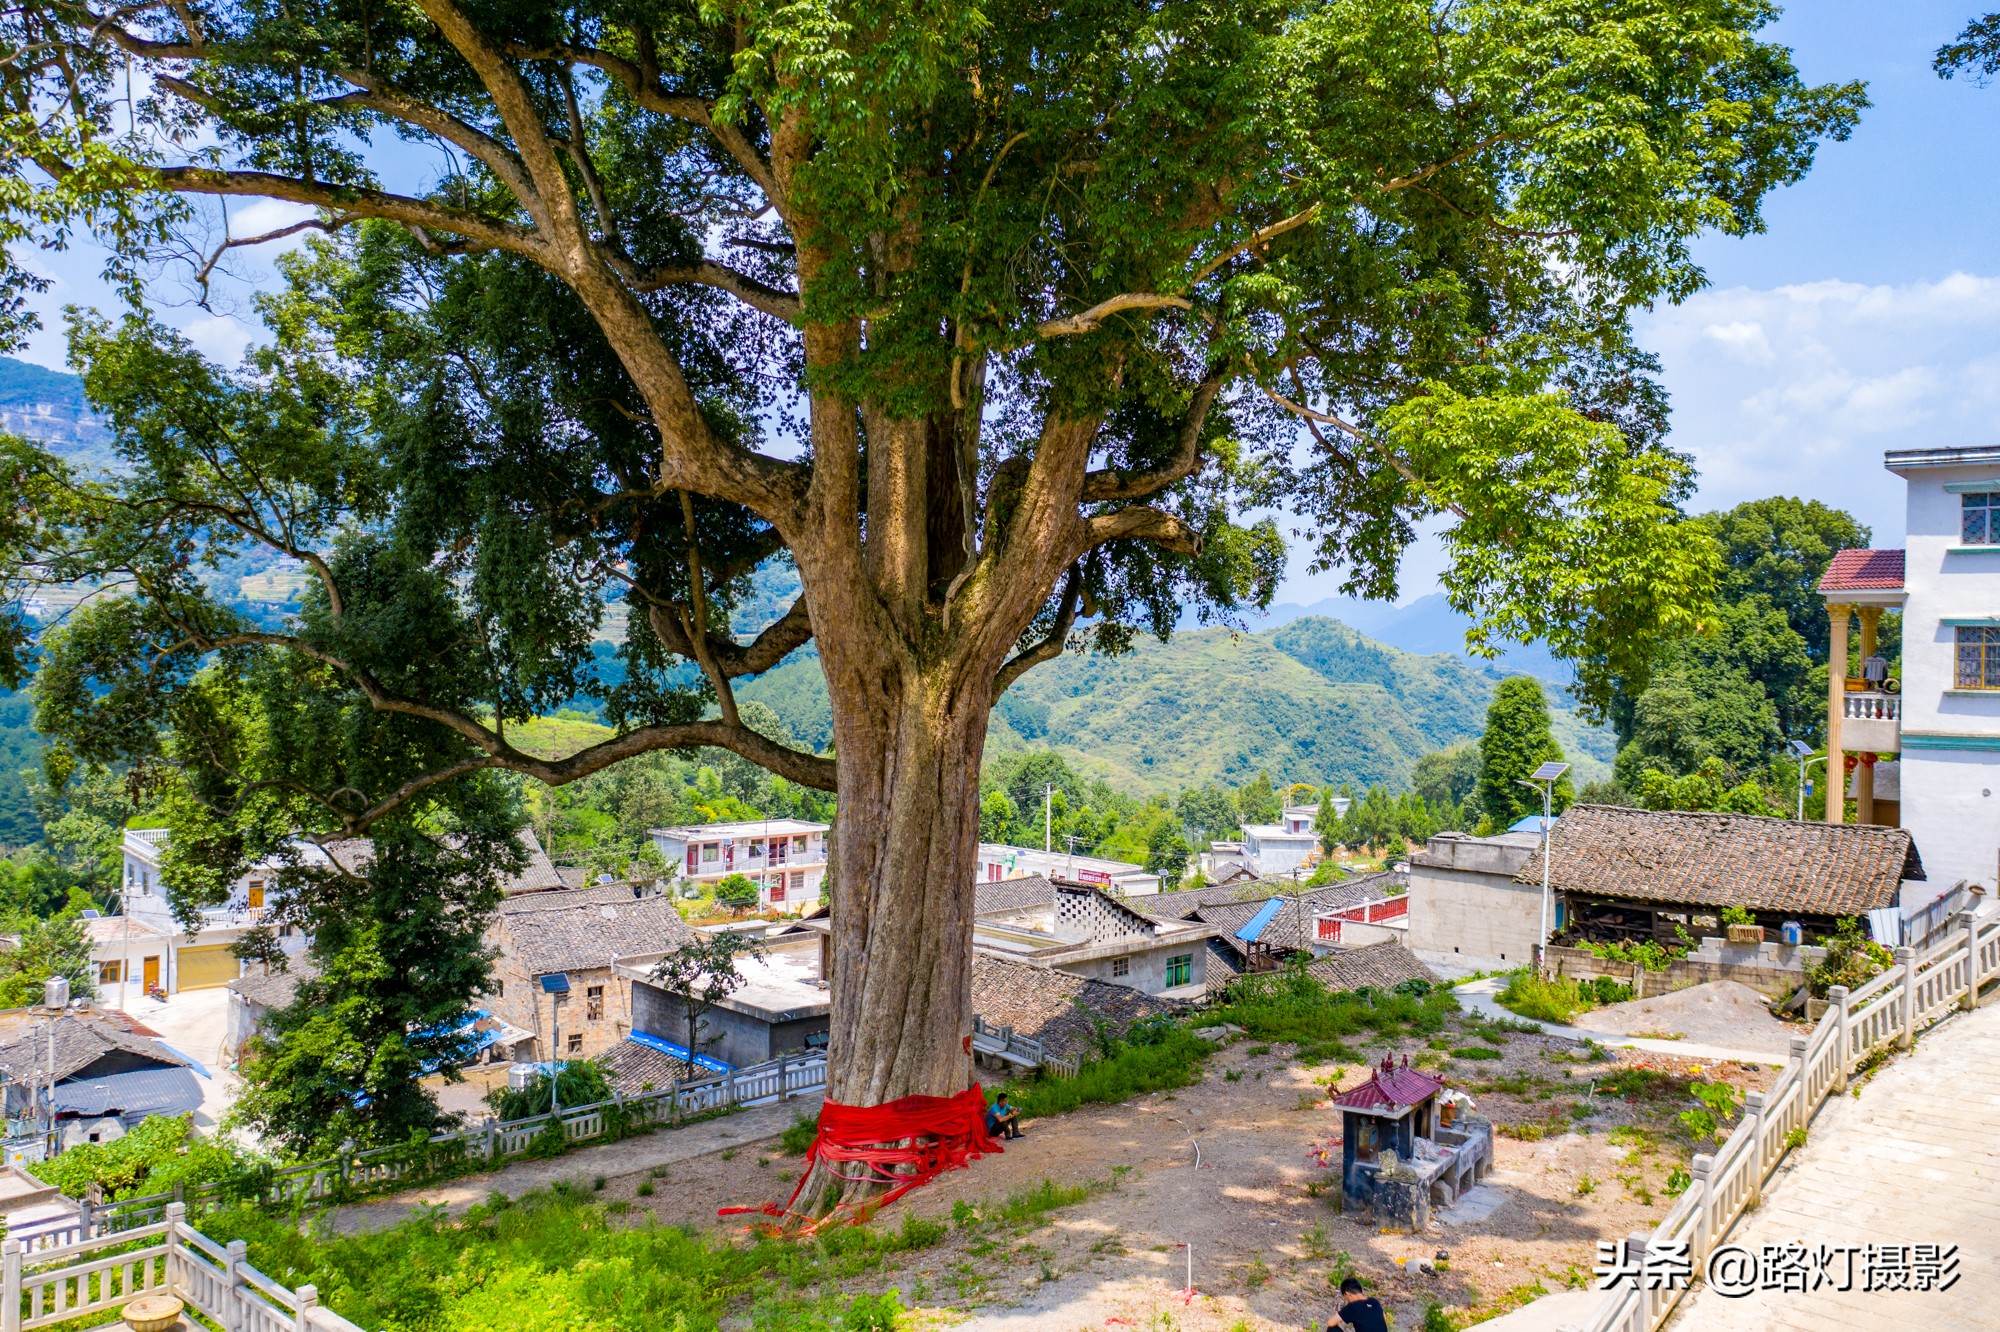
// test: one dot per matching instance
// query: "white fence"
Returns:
(100, 1276)
(1922, 986)
(382, 1169)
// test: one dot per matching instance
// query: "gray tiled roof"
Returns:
(1717, 860)
(1378, 966)
(578, 929)
(274, 989)
(1292, 928)
(633, 1068)
(1054, 1007)
(1022, 894)
(80, 1041)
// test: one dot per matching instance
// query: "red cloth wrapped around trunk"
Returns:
(903, 1143)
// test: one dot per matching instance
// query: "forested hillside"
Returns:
(1312, 700)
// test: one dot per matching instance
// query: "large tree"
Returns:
(1517, 741)
(986, 320)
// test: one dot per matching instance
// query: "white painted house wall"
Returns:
(1951, 737)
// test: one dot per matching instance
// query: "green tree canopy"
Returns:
(1516, 742)
(1447, 776)
(999, 325)
(1779, 548)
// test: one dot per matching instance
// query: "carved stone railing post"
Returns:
(1970, 928)
(1753, 1115)
(1906, 960)
(1837, 996)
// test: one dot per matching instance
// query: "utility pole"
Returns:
(1048, 818)
(1545, 777)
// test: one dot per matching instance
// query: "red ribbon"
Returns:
(904, 1143)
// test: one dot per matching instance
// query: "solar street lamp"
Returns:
(556, 986)
(1804, 754)
(1546, 778)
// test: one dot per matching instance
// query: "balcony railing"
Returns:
(1872, 707)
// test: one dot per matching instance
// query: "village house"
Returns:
(158, 951)
(1060, 1011)
(1284, 847)
(1632, 875)
(998, 863)
(785, 858)
(1083, 930)
(579, 935)
(1920, 749)
(1260, 931)
(75, 1076)
(781, 1007)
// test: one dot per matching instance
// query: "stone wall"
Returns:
(1772, 969)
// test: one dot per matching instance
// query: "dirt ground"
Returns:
(1718, 1013)
(1232, 1166)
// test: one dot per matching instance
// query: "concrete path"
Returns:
(1912, 1160)
(611, 1159)
(1477, 996)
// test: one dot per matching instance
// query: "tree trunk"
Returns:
(906, 858)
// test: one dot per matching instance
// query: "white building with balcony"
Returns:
(785, 858)
(1276, 849)
(999, 863)
(1940, 719)
(158, 951)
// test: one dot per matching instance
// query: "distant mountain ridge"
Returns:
(1424, 626)
(1309, 700)
(49, 407)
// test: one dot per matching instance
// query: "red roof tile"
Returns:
(1863, 571)
(1390, 1087)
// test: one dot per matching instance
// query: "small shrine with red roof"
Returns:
(1405, 1144)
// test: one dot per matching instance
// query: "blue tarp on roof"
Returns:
(132, 1096)
(1532, 824)
(665, 1047)
(1254, 926)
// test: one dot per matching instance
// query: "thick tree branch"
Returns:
(772, 301)
(1087, 320)
(1141, 523)
(417, 214)
(1114, 485)
(1048, 647)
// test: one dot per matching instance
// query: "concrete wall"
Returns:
(1951, 756)
(1148, 970)
(1465, 908)
(735, 1038)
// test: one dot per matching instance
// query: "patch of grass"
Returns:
(1233, 1075)
(1160, 1059)
(1474, 1052)
(1559, 998)
(1585, 1187)
(1256, 1051)
(798, 1139)
(1526, 1131)
(1795, 1139)
(1291, 1006)
(645, 1189)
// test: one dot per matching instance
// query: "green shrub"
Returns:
(578, 1082)
(164, 1151)
(1559, 998)
(1474, 1052)
(1648, 954)
(1852, 959)
(799, 1138)
(1736, 915)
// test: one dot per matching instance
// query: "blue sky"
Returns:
(1866, 318)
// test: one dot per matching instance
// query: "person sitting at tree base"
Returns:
(1003, 1119)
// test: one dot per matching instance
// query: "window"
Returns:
(284, 931)
(777, 893)
(1180, 970)
(1121, 966)
(709, 852)
(575, 1043)
(799, 845)
(593, 1002)
(107, 973)
(1978, 657)
(1979, 518)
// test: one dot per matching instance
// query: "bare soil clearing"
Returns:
(1229, 1167)
(1725, 1013)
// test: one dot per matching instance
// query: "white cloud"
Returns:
(1798, 390)
(220, 338)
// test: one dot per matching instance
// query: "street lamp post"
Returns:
(1545, 777)
(1803, 753)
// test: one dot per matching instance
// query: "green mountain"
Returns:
(1310, 701)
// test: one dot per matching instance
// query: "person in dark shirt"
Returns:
(1358, 1314)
